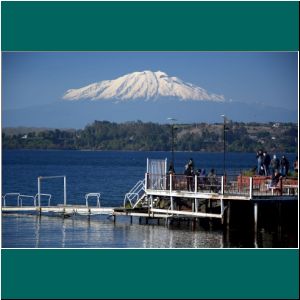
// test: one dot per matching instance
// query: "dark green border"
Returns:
(142, 26)
(40, 26)
(178, 274)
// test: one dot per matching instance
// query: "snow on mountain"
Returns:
(142, 85)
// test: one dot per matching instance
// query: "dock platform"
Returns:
(161, 196)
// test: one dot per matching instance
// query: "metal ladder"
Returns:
(136, 194)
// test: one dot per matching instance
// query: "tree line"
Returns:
(140, 136)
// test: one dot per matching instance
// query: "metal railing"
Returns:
(180, 182)
(4, 197)
(89, 195)
(225, 185)
(20, 198)
(135, 194)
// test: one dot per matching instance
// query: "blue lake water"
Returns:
(113, 173)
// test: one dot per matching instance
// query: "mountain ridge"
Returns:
(147, 85)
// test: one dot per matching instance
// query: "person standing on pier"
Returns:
(296, 165)
(266, 162)
(259, 157)
(171, 172)
(276, 182)
(171, 169)
(189, 177)
(191, 164)
(274, 164)
(284, 166)
(276, 178)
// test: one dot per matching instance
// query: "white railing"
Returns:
(89, 195)
(21, 197)
(11, 194)
(135, 194)
(237, 185)
(181, 182)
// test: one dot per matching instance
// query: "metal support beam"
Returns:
(196, 204)
(228, 213)
(171, 198)
(222, 185)
(196, 188)
(255, 217)
(146, 179)
(39, 191)
(65, 190)
(222, 211)
(251, 187)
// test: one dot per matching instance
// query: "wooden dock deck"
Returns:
(61, 209)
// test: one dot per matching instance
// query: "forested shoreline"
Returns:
(140, 136)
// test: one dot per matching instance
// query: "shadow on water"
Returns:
(277, 225)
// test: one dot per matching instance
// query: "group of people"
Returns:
(203, 179)
(267, 166)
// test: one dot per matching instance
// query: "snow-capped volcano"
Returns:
(142, 85)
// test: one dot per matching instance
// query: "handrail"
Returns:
(39, 198)
(98, 195)
(137, 186)
(20, 196)
(135, 192)
(10, 194)
(26, 196)
(248, 186)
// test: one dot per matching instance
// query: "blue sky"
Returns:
(33, 78)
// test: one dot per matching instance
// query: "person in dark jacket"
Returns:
(296, 165)
(171, 171)
(191, 164)
(284, 166)
(259, 157)
(189, 173)
(274, 164)
(266, 160)
(276, 178)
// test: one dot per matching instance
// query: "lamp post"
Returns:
(224, 144)
(172, 146)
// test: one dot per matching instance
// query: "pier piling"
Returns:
(255, 217)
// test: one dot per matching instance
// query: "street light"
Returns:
(224, 143)
(172, 146)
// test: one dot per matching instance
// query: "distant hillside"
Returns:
(104, 135)
(25, 130)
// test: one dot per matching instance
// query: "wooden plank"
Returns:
(198, 195)
(60, 209)
(186, 213)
